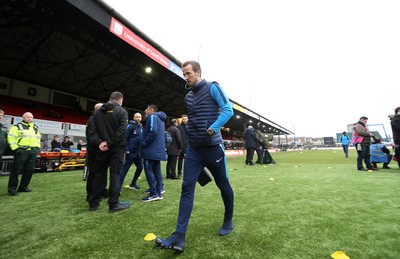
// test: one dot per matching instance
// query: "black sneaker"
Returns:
(134, 187)
(12, 193)
(119, 207)
(24, 189)
(172, 242)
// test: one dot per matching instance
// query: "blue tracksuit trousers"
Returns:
(212, 157)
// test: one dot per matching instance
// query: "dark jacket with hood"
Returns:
(395, 123)
(153, 137)
(109, 125)
(250, 138)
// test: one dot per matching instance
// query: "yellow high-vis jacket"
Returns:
(24, 135)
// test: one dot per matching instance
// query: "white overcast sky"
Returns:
(310, 66)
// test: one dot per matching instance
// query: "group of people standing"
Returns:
(66, 144)
(107, 133)
(370, 149)
(254, 141)
(197, 140)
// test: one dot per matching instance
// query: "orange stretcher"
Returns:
(58, 161)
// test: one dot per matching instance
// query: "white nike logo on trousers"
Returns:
(219, 159)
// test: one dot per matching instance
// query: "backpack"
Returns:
(168, 139)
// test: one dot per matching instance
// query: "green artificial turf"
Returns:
(308, 205)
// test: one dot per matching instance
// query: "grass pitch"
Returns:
(308, 205)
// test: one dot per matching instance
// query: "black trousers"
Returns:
(181, 158)
(24, 163)
(91, 152)
(171, 166)
(111, 159)
(250, 155)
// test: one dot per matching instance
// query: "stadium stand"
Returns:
(17, 106)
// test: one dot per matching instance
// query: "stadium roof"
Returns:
(86, 48)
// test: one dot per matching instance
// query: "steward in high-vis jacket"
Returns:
(24, 139)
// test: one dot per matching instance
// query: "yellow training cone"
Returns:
(150, 237)
(339, 255)
(126, 186)
(271, 179)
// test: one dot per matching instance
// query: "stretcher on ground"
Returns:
(59, 161)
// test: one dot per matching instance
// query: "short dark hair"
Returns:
(363, 118)
(115, 96)
(173, 121)
(344, 132)
(396, 110)
(184, 115)
(153, 107)
(195, 65)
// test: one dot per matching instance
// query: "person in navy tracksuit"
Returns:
(208, 110)
(153, 151)
(132, 151)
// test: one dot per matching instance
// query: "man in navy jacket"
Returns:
(153, 151)
(132, 151)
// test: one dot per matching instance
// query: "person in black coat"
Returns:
(395, 124)
(251, 141)
(67, 143)
(183, 129)
(108, 134)
(174, 149)
(91, 151)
